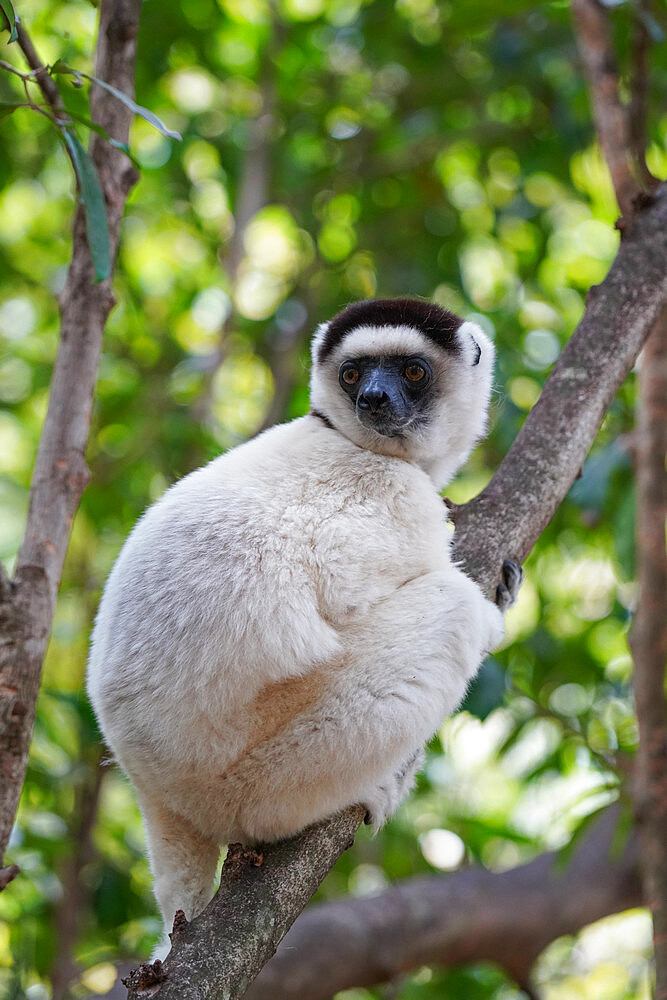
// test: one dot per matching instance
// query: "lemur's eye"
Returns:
(350, 376)
(415, 373)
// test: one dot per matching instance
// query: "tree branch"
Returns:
(472, 915)
(623, 137)
(42, 76)
(60, 473)
(5, 584)
(221, 952)
(505, 520)
(510, 514)
(648, 639)
(591, 29)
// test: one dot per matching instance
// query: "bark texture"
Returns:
(506, 519)
(649, 638)
(238, 932)
(449, 920)
(221, 952)
(27, 602)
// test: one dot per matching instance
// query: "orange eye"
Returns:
(415, 373)
(350, 376)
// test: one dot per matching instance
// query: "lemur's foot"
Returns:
(383, 801)
(506, 592)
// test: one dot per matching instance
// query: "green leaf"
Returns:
(7, 8)
(91, 195)
(137, 108)
(116, 143)
(6, 108)
(61, 67)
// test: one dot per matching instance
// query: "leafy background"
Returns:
(332, 150)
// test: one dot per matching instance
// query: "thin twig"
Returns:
(8, 875)
(14, 70)
(42, 76)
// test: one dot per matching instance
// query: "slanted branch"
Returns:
(472, 915)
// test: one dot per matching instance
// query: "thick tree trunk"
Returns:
(649, 639)
(61, 474)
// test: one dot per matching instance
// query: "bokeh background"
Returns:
(332, 150)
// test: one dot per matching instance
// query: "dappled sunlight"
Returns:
(443, 849)
(276, 251)
(487, 271)
(258, 294)
(607, 961)
(242, 388)
(192, 90)
(583, 585)
(490, 773)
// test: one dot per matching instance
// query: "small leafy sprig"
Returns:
(62, 119)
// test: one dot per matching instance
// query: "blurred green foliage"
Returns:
(417, 147)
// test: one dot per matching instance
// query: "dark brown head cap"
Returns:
(436, 323)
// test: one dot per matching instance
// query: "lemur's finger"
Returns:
(503, 597)
(512, 577)
(506, 592)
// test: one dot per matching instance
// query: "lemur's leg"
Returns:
(182, 860)
(383, 800)
(405, 667)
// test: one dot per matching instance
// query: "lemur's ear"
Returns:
(478, 351)
(318, 340)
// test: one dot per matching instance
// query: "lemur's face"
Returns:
(390, 394)
(404, 378)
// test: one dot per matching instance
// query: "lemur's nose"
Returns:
(372, 399)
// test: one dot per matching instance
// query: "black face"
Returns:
(389, 394)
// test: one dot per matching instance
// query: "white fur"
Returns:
(284, 628)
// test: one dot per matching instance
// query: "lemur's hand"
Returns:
(506, 592)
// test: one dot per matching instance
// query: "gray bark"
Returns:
(508, 517)
(473, 915)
